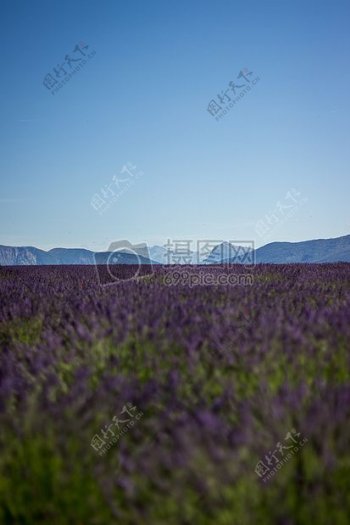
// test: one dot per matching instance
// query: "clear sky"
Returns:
(143, 98)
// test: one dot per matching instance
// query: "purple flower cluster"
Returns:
(219, 373)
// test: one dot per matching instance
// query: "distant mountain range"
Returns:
(11, 256)
(315, 251)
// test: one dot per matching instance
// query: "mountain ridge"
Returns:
(335, 249)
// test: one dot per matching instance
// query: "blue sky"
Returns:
(143, 99)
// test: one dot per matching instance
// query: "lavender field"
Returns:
(154, 402)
